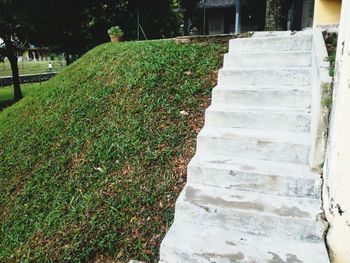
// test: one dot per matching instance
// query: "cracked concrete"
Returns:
(250, 195)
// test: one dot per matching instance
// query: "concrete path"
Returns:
(250, 195)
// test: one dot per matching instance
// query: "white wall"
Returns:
(337, 166)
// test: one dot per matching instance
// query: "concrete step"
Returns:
(276, 118)
(271, 44)
(284, 96)
(251, 212)
(264, 77)
(192, 243)
(273, 59)
(289, 33)
(254, 175)
(256, 144)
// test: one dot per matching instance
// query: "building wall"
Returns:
(327, 12)
(336, 194)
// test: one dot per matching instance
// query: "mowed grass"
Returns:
(7, 97)
(91, 162)
(31, 67)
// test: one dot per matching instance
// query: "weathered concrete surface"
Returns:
(268, 59)
(287, 179)
(250, 195)
(336, 171)
(282, 96)
(284, 119)
(193, 243)
(271, 44)
(321, 88)
(264, 76)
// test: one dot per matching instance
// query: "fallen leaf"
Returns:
(99, 169)
(120, 254)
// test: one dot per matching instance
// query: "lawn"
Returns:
(92, 161)
(30, 67)
(6, 93)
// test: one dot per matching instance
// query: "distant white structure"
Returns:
(33, 53)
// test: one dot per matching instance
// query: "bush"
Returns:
(115, 31)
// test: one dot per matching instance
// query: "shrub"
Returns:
(115, 31)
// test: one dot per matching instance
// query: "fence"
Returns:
(32, 78)
(30, 67)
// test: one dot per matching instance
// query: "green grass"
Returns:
(6, 94)
(91, 162)
(331, 43)
(30, 67)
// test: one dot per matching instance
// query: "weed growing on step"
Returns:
(331, 43)
(327, 101)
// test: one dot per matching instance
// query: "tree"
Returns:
(157, 18)
(60, 24)
(75, 27)
(277, 14)
(255, 10)
(188, 7)
(13, 31)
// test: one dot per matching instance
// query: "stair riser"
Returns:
(279, 98)
(264, 77)
(254, 149)
(248, 221)
(262, 120)
(250, 181)
(270, 44)
(267, 60)
(195, 243)
(250, 196)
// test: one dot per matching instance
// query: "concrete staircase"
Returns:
(250, 195)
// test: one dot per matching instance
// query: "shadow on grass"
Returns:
(6, 103)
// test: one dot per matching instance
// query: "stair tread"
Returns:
(305, 68)
(263, 87)
(257, 109)
(200, 195)
(254, 166)
(300, 138)
(250, 195)
(193, 243)
(306, 52)
(263, 38)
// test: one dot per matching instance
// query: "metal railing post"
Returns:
(238, 19)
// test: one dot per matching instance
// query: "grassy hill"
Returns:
(7, 96)
(92, 161)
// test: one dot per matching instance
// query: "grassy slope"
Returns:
(92, 161)
(6, 94)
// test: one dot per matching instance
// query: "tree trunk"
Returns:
(15, 77)
(276, 14)
(67, 58)
(186, 25)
